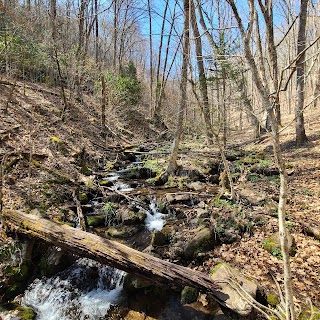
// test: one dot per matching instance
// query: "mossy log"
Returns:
(110, 252)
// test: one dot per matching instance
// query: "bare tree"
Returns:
(173, 165)
(301, 137)
(270, 104)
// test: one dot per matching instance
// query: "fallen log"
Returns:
(111, 253)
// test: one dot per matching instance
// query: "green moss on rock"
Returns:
(96, 220)
(272, 299)
(26, 313)
(83, 198)
(188, 295)
(306, 314)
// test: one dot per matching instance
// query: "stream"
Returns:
(87, 289)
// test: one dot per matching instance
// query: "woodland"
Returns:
(175, 140)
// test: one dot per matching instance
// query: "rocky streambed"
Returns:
(181, 220)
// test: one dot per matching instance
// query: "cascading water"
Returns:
(155, 220)
(86, 290)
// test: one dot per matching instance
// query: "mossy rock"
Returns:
(129, 217)
(306, 314)
(83, 198)
(26, 313)
(272, 299)
(137, 173)
(97, 220)
(272, 245)
(123, 232)
(159, 238)
(132, 283)
(202, 241)
(106, 183)
(189, 295)
(19, 273)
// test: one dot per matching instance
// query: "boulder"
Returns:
(272, 245)
(129, 217)
(159, 238)
(252, 196)
(177, 197)
(189, 295)
(96, 220)
(201, 241)
(232, 299)
(197, 186)
(123, 231)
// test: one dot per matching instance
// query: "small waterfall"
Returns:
(155, 219)
(86, 290)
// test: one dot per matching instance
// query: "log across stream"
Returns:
(111, 253)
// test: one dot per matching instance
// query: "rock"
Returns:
(137, 173)
(123, 232)
(201, 241)
(159, 238)
(197, 186)
(222, 273)
(97, 220)
(177, 197)
(189, 294)
(272, 245)
(251, 195)
(106, 183)
(135, 315)
(229, 236)
(129, 217)
(133, 282)
(214, 179)
(215, 167)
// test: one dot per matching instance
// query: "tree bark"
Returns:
(202, 77)
(301, 137)
(110, 252)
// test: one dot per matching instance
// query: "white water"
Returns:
(155, 220)
(112, 177)
(84, 291)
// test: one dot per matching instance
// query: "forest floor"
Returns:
(32, 125)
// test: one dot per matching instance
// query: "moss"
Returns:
(61, 146)
(272, 299)
(106, 183)
(272, 247)
(26, 313)
(217, 266)
(85, 170)
(56, 140)
(306, 314)
(96, 220)
(83, 198)
(188, 295)
(17, 273)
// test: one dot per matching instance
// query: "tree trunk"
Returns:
(173, 166)
(301, 137)
(202, 77)
(110, 252)
(151, 57)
